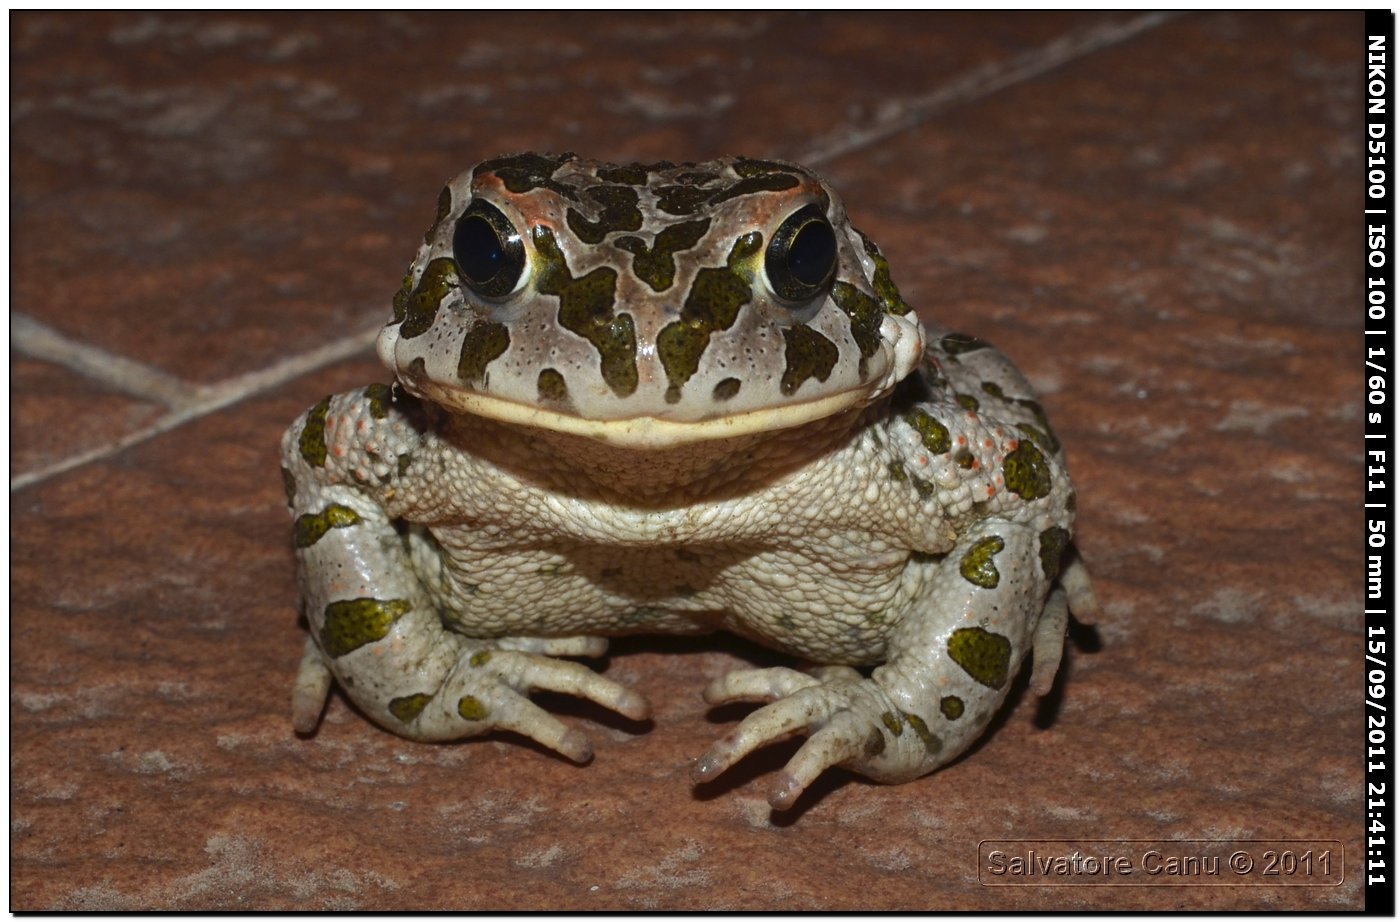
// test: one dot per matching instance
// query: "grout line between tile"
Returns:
(197, 400)
(983, 81)
(136, 379)
(188, 401)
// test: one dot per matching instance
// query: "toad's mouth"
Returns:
(640, 432)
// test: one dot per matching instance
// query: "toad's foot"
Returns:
(850, 721)
(482, 688)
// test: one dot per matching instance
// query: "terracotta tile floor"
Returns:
(1155, 216)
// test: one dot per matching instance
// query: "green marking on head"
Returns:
(874, 743)
(748, 167)
(965, 459)
(479, 658)
(891, 720)
(1071, 502)
(924, 488)
(865, 315)
(311, 527)
(726, 389)
(401, 298)
(932, 433)
(289, 485)
(471, 708)
(407, 708)
(1053, 542)
(312, 442)
(807, 354)
(991, 387)
(960, 343)
(403, 463)
(631, 174)
(967, 402)
(352, 623)
(484, 343)
(881, 280)
(983, 655)
(586, 308)
(1026, 472)
(951, 706)
(656, 265)
(712, 304)
(897, 472)
(439, 279)
(444, 204)
(380, 396)
(523, 172)
(618, 212)
(551, 386)
(932, 744)
(687, 199)
(977, 566)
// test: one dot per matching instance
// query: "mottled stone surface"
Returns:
(1157, 220)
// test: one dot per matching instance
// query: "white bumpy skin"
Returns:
(674, 399)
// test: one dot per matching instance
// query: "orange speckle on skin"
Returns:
(921, 460)
(338, 450)
(361, 426)
(991, 491)
(962, 440)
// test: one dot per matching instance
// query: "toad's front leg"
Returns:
(374, 626)
(986, 604)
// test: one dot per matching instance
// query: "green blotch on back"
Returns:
(967, 402)
(932, 433)
(586, 308)
(311, 527)
(712, 304)
(951, 706)
(352, 623)
(485, 342)
(1053, 542)
(380, 396)
(932, 744)
(960, 343)
(312, 441)
(807, 354)
(1026, 472)
(407, 708)
(983, 655)
(471, 708)
(479, 658)
(891, 720)
(656, 265)
(439, 279)
(289, 485)
(977, 566)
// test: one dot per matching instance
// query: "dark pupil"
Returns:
(478, 249)
(811, 253)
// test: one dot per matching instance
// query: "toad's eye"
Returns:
(801, 259)
(488, 250)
